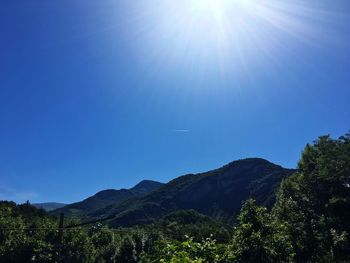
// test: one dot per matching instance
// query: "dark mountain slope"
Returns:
(107, 197)
(218, 193)
(49, 206)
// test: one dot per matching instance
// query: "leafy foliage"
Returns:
(183, 223)
(30, 235)
(314, 204)
(257, 237)
(205, 251)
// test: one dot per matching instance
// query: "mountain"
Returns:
(218, 193)
(145, 186)
(49, 206)
(105, 198)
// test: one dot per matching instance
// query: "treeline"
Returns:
(310, 222)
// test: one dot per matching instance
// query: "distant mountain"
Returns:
(49, 206)
(218, 193)
(105, 198)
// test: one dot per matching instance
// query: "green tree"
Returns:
(257, 239)
(106, 244)
(314, 204)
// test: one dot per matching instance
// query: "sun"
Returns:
(213, 8)
(199, 29)
(213, 11)
(221, 33)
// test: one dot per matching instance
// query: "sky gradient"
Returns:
(103, 94)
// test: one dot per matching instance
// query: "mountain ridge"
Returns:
(218, 193)
(106, 197)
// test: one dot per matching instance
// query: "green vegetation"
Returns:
(309, 222)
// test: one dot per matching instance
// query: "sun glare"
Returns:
(211, 32)
(213, 8)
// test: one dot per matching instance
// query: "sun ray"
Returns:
(225, 35)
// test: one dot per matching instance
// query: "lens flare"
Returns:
(225, 33)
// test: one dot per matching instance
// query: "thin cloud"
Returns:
(180, 130)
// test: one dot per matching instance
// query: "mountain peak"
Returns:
(106, 198)
(146, 186)
(252, 162)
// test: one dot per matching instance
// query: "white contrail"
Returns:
(180, 130)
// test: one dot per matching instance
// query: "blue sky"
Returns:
(103, 94)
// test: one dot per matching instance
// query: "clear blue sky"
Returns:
(102, 94)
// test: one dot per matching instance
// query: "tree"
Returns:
(257, 239)
(314, 203)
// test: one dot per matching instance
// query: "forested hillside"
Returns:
(104, 198)
(308, 222)
(217, 193)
